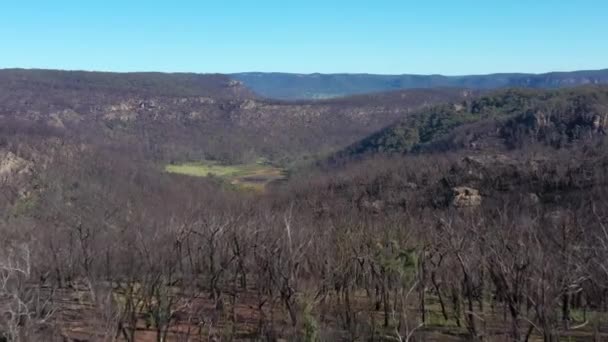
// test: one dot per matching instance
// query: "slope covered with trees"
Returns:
(501, 120)
(383, 249)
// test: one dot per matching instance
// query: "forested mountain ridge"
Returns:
(314, 86)
(504, 119)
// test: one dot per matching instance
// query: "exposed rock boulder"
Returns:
(13, 166)
(464, 197)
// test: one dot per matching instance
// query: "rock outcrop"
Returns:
(465, 197)
(13, 166)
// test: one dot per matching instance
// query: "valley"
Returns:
(307, 171)
(183, 207)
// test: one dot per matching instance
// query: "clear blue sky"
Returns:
(425, 36)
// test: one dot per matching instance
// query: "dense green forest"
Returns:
(504, 119)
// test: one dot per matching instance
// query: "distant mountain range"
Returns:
(318, 86)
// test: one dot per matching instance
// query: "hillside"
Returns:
(505, 119)
(316, 86)
(197, 117)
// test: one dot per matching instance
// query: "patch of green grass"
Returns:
(203, 169)
(435, 316)
(436, 319)
(252, 176)
(578, 316)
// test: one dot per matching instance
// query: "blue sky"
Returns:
(423, 37)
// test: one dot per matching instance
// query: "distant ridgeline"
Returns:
(318, 86)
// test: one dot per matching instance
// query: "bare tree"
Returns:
(24, 306)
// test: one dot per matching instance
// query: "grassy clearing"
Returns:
(253, 176)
